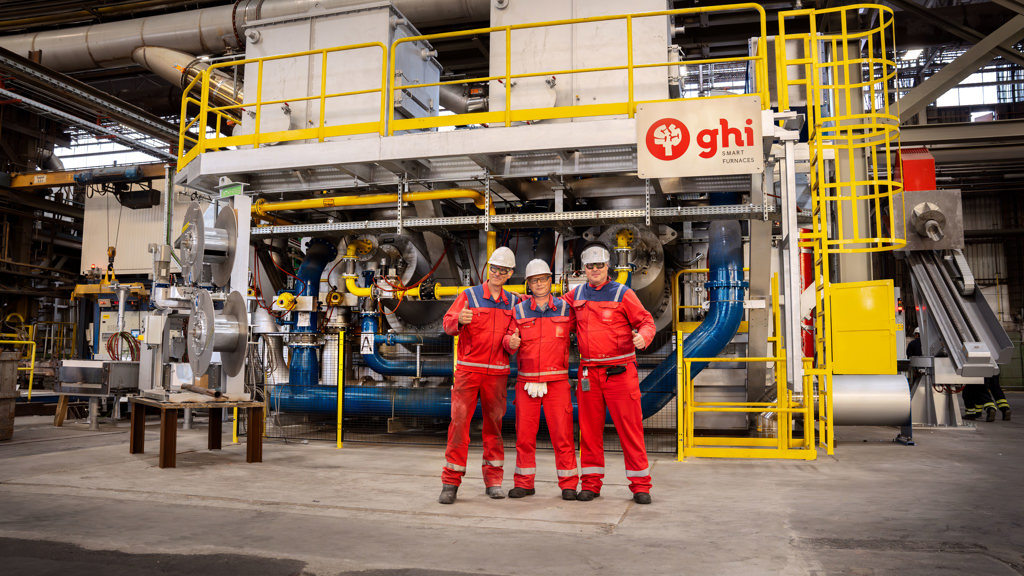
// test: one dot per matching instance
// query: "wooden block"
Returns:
(62, 411)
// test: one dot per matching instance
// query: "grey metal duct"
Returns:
(205, 31)
(456, 98)
(180, 69)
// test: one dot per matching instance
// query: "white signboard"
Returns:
(699, 138)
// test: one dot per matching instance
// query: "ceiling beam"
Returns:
(86, 96)
(1015, 5)
(953, 73)
(969, 34)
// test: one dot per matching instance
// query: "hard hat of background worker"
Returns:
(537, 267)
(917, 331)
(503, 256)
(594, 255)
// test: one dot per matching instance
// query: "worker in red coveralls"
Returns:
(541, 335)
(480, 317)
(611, 324)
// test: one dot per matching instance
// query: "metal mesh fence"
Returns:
(406, 409)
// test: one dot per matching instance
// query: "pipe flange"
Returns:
(427, 289)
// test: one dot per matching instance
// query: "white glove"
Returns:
(536, 389)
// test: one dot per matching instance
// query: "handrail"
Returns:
(197, 135)
(508, 115)
(32, 361)
(319, 132)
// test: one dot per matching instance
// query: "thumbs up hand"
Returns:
(515, 341)
(638, 340)
(466, 315)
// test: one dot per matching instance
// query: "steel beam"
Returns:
(82, 94)
(954, 72)
(957, 29)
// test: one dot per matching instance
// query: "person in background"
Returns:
(540, 334)
(612, 324)
(914, 346)
(480, 317)
(984, 399)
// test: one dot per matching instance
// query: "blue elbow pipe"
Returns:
(304, 367)
(725, 286)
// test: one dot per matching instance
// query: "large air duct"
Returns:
(181, 69)
(206, 31)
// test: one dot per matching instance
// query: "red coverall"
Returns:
(544, 357)
(482, 369)
(606, 317)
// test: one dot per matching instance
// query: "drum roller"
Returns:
(201, 244)
(210, 331)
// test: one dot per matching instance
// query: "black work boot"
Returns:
(587, 495)
(990, 414)
(495, 492)
(1007, 413)
(518, 492)
(448, 492)
(568, 494)
(642, 498)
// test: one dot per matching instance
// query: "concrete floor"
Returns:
(74, 501)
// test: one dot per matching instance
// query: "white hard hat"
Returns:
(594, 255)
(537, 267)
(503, 256)
(917, 331)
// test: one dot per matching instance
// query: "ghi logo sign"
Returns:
(699, 138)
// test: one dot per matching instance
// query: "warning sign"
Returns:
(699, 138)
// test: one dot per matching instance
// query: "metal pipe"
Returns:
(725, 286)
(180, 68)
(205, 31)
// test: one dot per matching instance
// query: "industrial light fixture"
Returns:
(911, 54)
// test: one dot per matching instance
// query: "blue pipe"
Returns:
(725, 286)
(304, 367)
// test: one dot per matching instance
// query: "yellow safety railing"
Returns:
(853, 123)
(59, 335)
(853, 133)
(198, 134)
(626, 107)
(197, 137)
(785, 407)
(31, 356)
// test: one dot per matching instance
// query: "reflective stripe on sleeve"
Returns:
(454, 467)
(638, 473)
(593, 470)
(618, 293)
(566, 473)
(479, 365)
(495, 463)
(525, 471)
(622, 357)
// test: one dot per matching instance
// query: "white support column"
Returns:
(242, 205)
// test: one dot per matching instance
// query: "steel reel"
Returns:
(201, 244)
(225, 332)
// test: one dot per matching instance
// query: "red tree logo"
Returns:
(667, 139)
